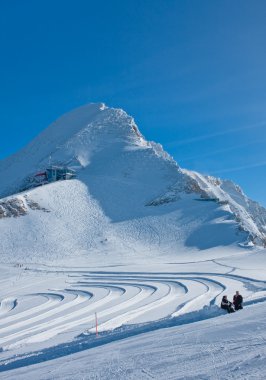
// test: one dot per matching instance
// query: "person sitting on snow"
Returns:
(237, 301)
(227, 305)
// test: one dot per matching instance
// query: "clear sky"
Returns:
(191, 72)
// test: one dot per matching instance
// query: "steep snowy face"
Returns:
(250, 216)
(129, 195)
(73, 139)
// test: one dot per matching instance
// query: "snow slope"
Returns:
(130, 197)
(148, 246)
(157, 321)
(228, 347)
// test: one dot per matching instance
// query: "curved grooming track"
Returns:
(117, 298)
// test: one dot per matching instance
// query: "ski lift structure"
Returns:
(54, 173)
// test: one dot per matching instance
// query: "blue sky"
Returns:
(192, 73)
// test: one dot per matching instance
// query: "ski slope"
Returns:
(227, 347)
(134, 242)
(75, 227)
(49, 313)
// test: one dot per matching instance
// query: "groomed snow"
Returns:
(227, 347)
(147, 246)
(162, 320)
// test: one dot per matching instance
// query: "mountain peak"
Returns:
(71, 139)
(128, 193)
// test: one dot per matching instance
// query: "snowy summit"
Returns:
(125, 196)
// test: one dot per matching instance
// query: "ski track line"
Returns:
(66, 326)
(130, 315)
(111, 295)
(44, 335)
(131, 281)
(7, 304)
(56, 330)
(80, 297)
(204, 299)
(118, 298)
(77, 301)
(51, 300)
(180, 290)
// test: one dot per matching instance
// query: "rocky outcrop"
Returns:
(15, 207)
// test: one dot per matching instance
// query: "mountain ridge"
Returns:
(134, 187)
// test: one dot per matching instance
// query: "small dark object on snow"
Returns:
(53, 173)
(227, 305)
(237, 301)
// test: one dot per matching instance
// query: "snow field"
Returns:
(141, 242)
(230, 347)
(119, 299)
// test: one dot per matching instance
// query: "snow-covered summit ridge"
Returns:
(72, 139)
(128, 179)
(250, 215)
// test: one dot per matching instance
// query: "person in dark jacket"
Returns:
(227, 305)
(237, 301)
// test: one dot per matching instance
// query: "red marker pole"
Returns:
(96, 325)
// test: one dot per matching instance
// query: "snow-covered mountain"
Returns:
(129, 196)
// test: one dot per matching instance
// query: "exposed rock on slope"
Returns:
(110, 207)
(18, 206)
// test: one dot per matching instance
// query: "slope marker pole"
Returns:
(96, 325)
